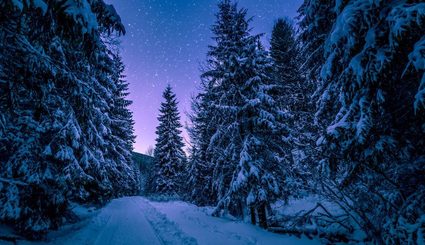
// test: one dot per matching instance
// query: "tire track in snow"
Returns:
(167, 231)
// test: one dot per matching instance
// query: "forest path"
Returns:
(136, 220)
(120, 222)
(124, 221)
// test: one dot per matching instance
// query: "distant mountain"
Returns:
(144, 161)
(145, 164)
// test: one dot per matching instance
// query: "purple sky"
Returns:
(166, 42)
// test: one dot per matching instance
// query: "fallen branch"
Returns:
(13, 239)
(14, 182)
(313, 224)
(311, 233)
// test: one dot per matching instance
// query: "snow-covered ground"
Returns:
(206, 229)
(136, 220)
(301, 205)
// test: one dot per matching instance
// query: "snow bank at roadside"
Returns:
(206, 229)
(315, 216)
(302, 205)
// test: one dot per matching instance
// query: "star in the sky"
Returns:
(167, 41)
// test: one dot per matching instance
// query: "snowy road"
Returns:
(135, 220)
(114, 224)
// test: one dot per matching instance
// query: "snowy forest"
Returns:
(317, 135)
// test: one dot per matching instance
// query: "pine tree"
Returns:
(244, 114)
(56, 105)
(169, 157)
(294, 98)
(285, 52)
(317, 18)
(200, 132)
(230, 34)
(373, 113)
(259, 146)
(207, 118)
(122, 135)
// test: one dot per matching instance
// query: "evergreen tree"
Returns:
(122, 135)
(230, 33)
(285, 52)
(169, 158)
(245, 143)
(373, 113)
(294, 98)
(206, 119)
(56, 105)
(200, 132)
(317, 18)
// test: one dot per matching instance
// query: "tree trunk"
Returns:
(262, 215)
(269, 209)
(253, 218)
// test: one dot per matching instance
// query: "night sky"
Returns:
(166, 42)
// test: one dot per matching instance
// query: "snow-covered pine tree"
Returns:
(229, 35)
(294, 98)
(372, 106)
(122, 132)
(246, 143)
(206, 118)
(285, 52)
(257, 180)
(200, 132)
(169, 157)
(316, 20)
(55, 110)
